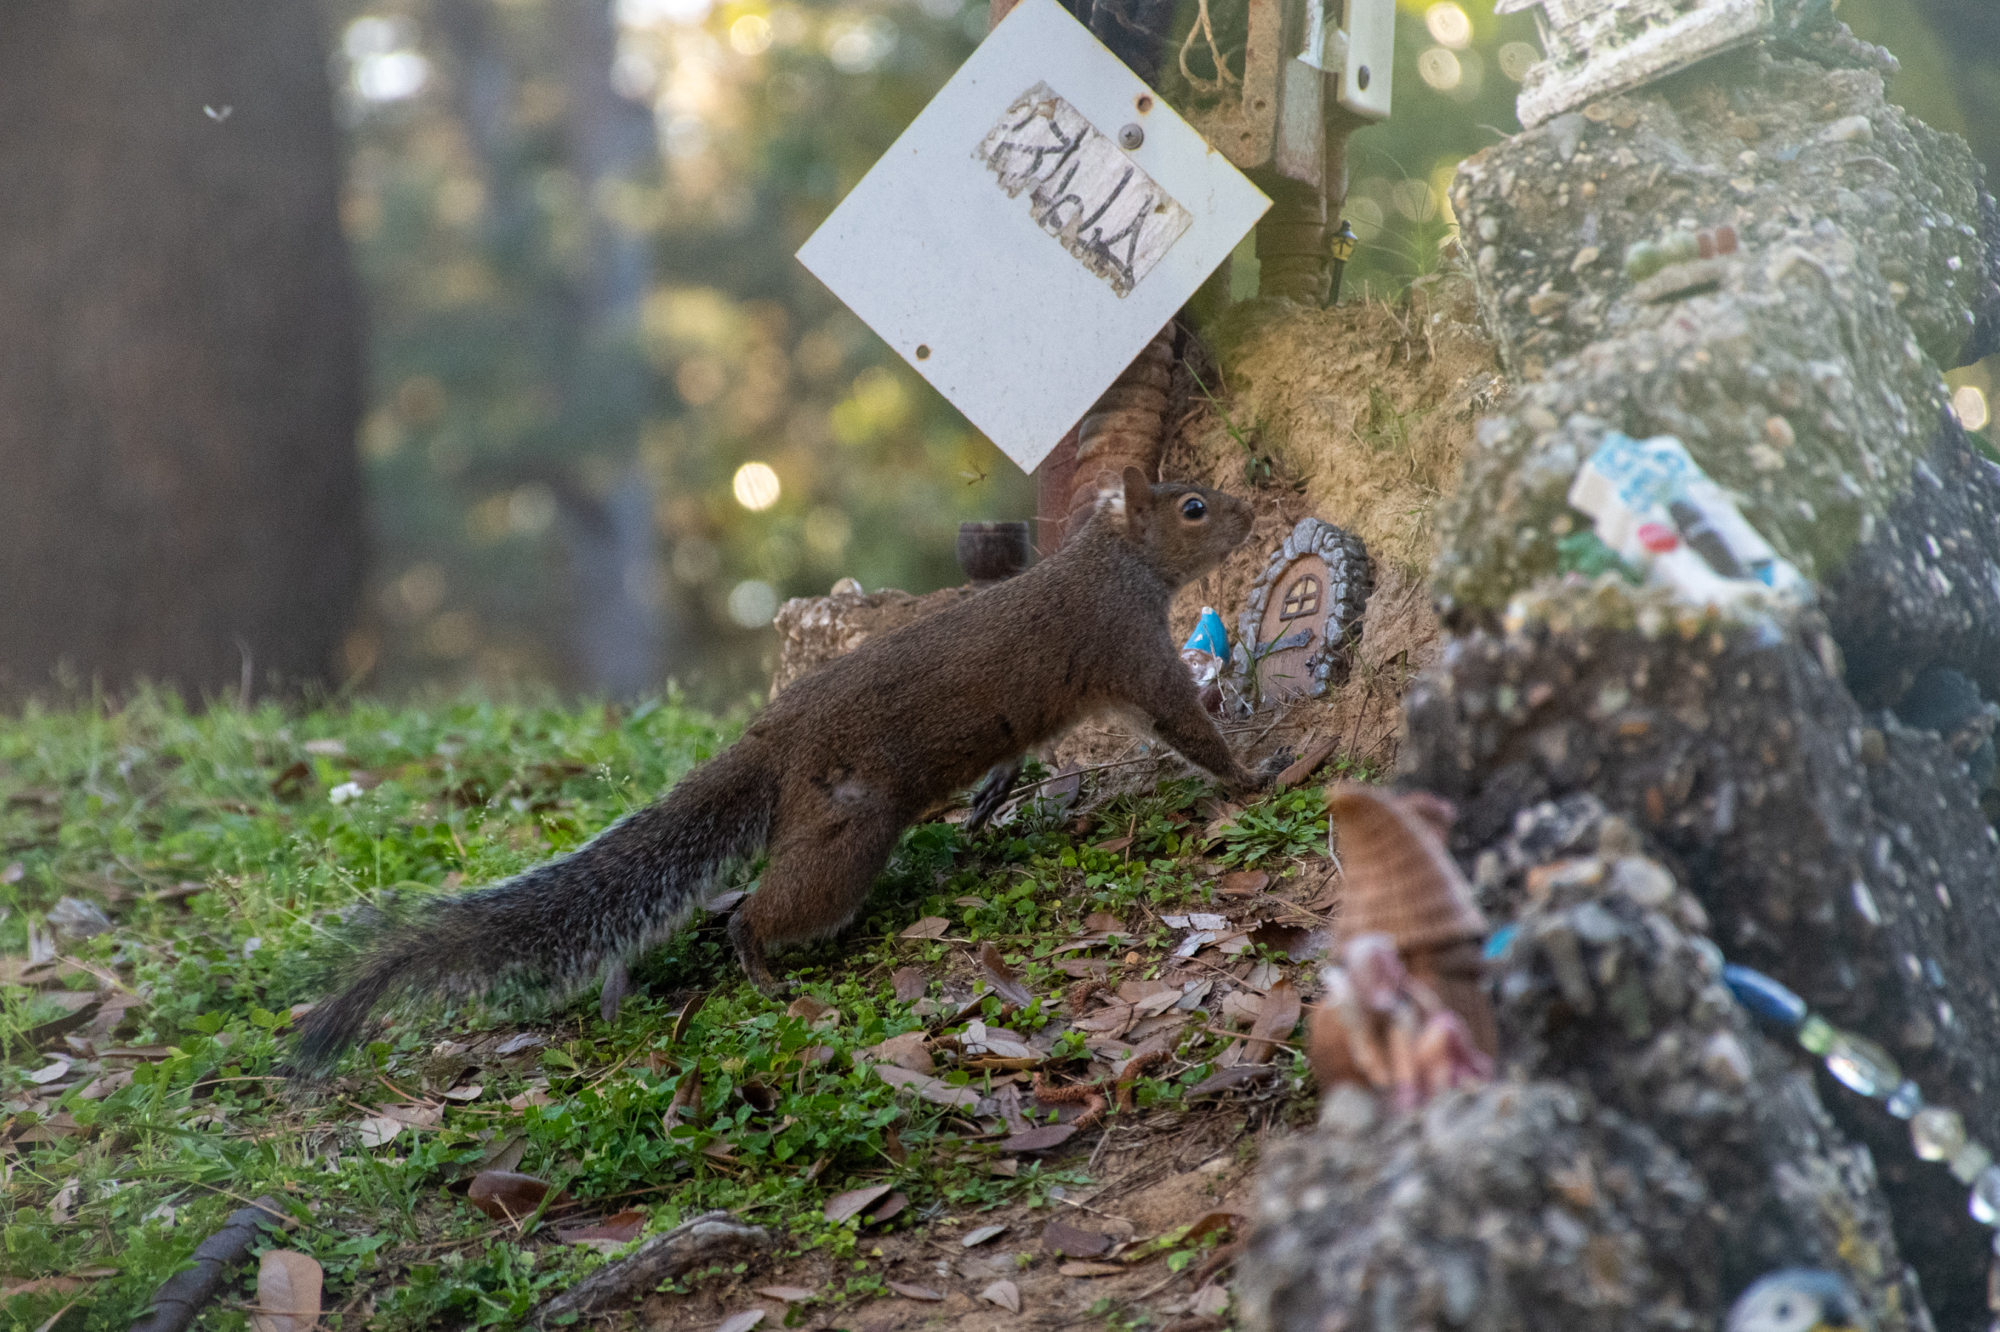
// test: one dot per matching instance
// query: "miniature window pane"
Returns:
(1301, 599)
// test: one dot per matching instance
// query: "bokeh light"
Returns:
(1970, 404)
(751, 35)
(1440, 69)
(1516, 58)
(1449, 25)
(752, 603)
(756, 486)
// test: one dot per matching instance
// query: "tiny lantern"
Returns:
(1341, 247)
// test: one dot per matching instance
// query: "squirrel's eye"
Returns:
(1193, 509)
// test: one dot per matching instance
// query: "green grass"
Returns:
(222, 842)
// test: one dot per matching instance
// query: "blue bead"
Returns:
(1764, 997)
(1499, 942)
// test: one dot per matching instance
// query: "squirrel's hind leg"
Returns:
(817, 879)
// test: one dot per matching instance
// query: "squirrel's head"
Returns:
(1184, 530)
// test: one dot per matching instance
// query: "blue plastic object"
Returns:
(1499, 942)
(1765, 998)
(1209, 636)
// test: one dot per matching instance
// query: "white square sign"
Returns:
(1032, 229)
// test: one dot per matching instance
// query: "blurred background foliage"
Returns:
(694, 418)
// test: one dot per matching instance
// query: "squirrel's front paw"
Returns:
(1245, 783)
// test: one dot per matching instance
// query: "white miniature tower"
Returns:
(1595, 48)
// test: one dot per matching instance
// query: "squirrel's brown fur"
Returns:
(836, 767)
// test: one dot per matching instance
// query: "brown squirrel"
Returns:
(829, 775)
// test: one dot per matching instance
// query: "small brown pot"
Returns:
(992, 552)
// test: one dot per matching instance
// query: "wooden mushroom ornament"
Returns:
(1406, 1012)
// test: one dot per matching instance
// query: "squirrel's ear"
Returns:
(1138, 499)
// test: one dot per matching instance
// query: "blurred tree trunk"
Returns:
(588, 327)
(181, 357)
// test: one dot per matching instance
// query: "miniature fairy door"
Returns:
(1304, 614)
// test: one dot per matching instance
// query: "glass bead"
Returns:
(1767, 1000)
(1817, 1035)
(1970, 1160)
(1936, 1134)
(1986, 1198)
(1905, 1101)
(1862, 1066)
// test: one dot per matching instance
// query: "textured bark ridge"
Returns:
(1647, 787)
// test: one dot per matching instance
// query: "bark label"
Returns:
(1082, 188)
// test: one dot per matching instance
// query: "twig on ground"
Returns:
(709, 1238)
(177, 1302)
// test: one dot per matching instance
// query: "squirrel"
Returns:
(830, 773)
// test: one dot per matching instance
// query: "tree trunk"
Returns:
(180, 366)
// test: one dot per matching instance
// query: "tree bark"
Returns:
(180, 366)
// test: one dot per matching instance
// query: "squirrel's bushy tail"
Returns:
(553, 927)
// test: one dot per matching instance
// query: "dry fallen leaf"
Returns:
(1091, 1269)
(911, 1292)
(288, 1291)
(1073, 1241)
(890, 1207)
(1317, 753)
(621, 1228)
(1280, 1013)
(788, 1294)
(930, 927)
(974, 1238)
(910, 1050)
(537, 1094)
(1242, 1075)
(1002, 978)
(471, 1091)
(49, 1073)
(1042, 1139)
(412, 1114)
(814, 1011)
(911, 983)
(505, 1195)
(1263, 976)
(1244, 883)
(1113, 1020)
(505, 1153)
(62, 1207)
(930, 1088)
(741, 1322)
(686, 1015)
(1209, 1302)
(1003, 1293)
(685, 1107)
(378, 1130)
(853, 1202)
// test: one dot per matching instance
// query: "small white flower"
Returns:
(345, 792)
